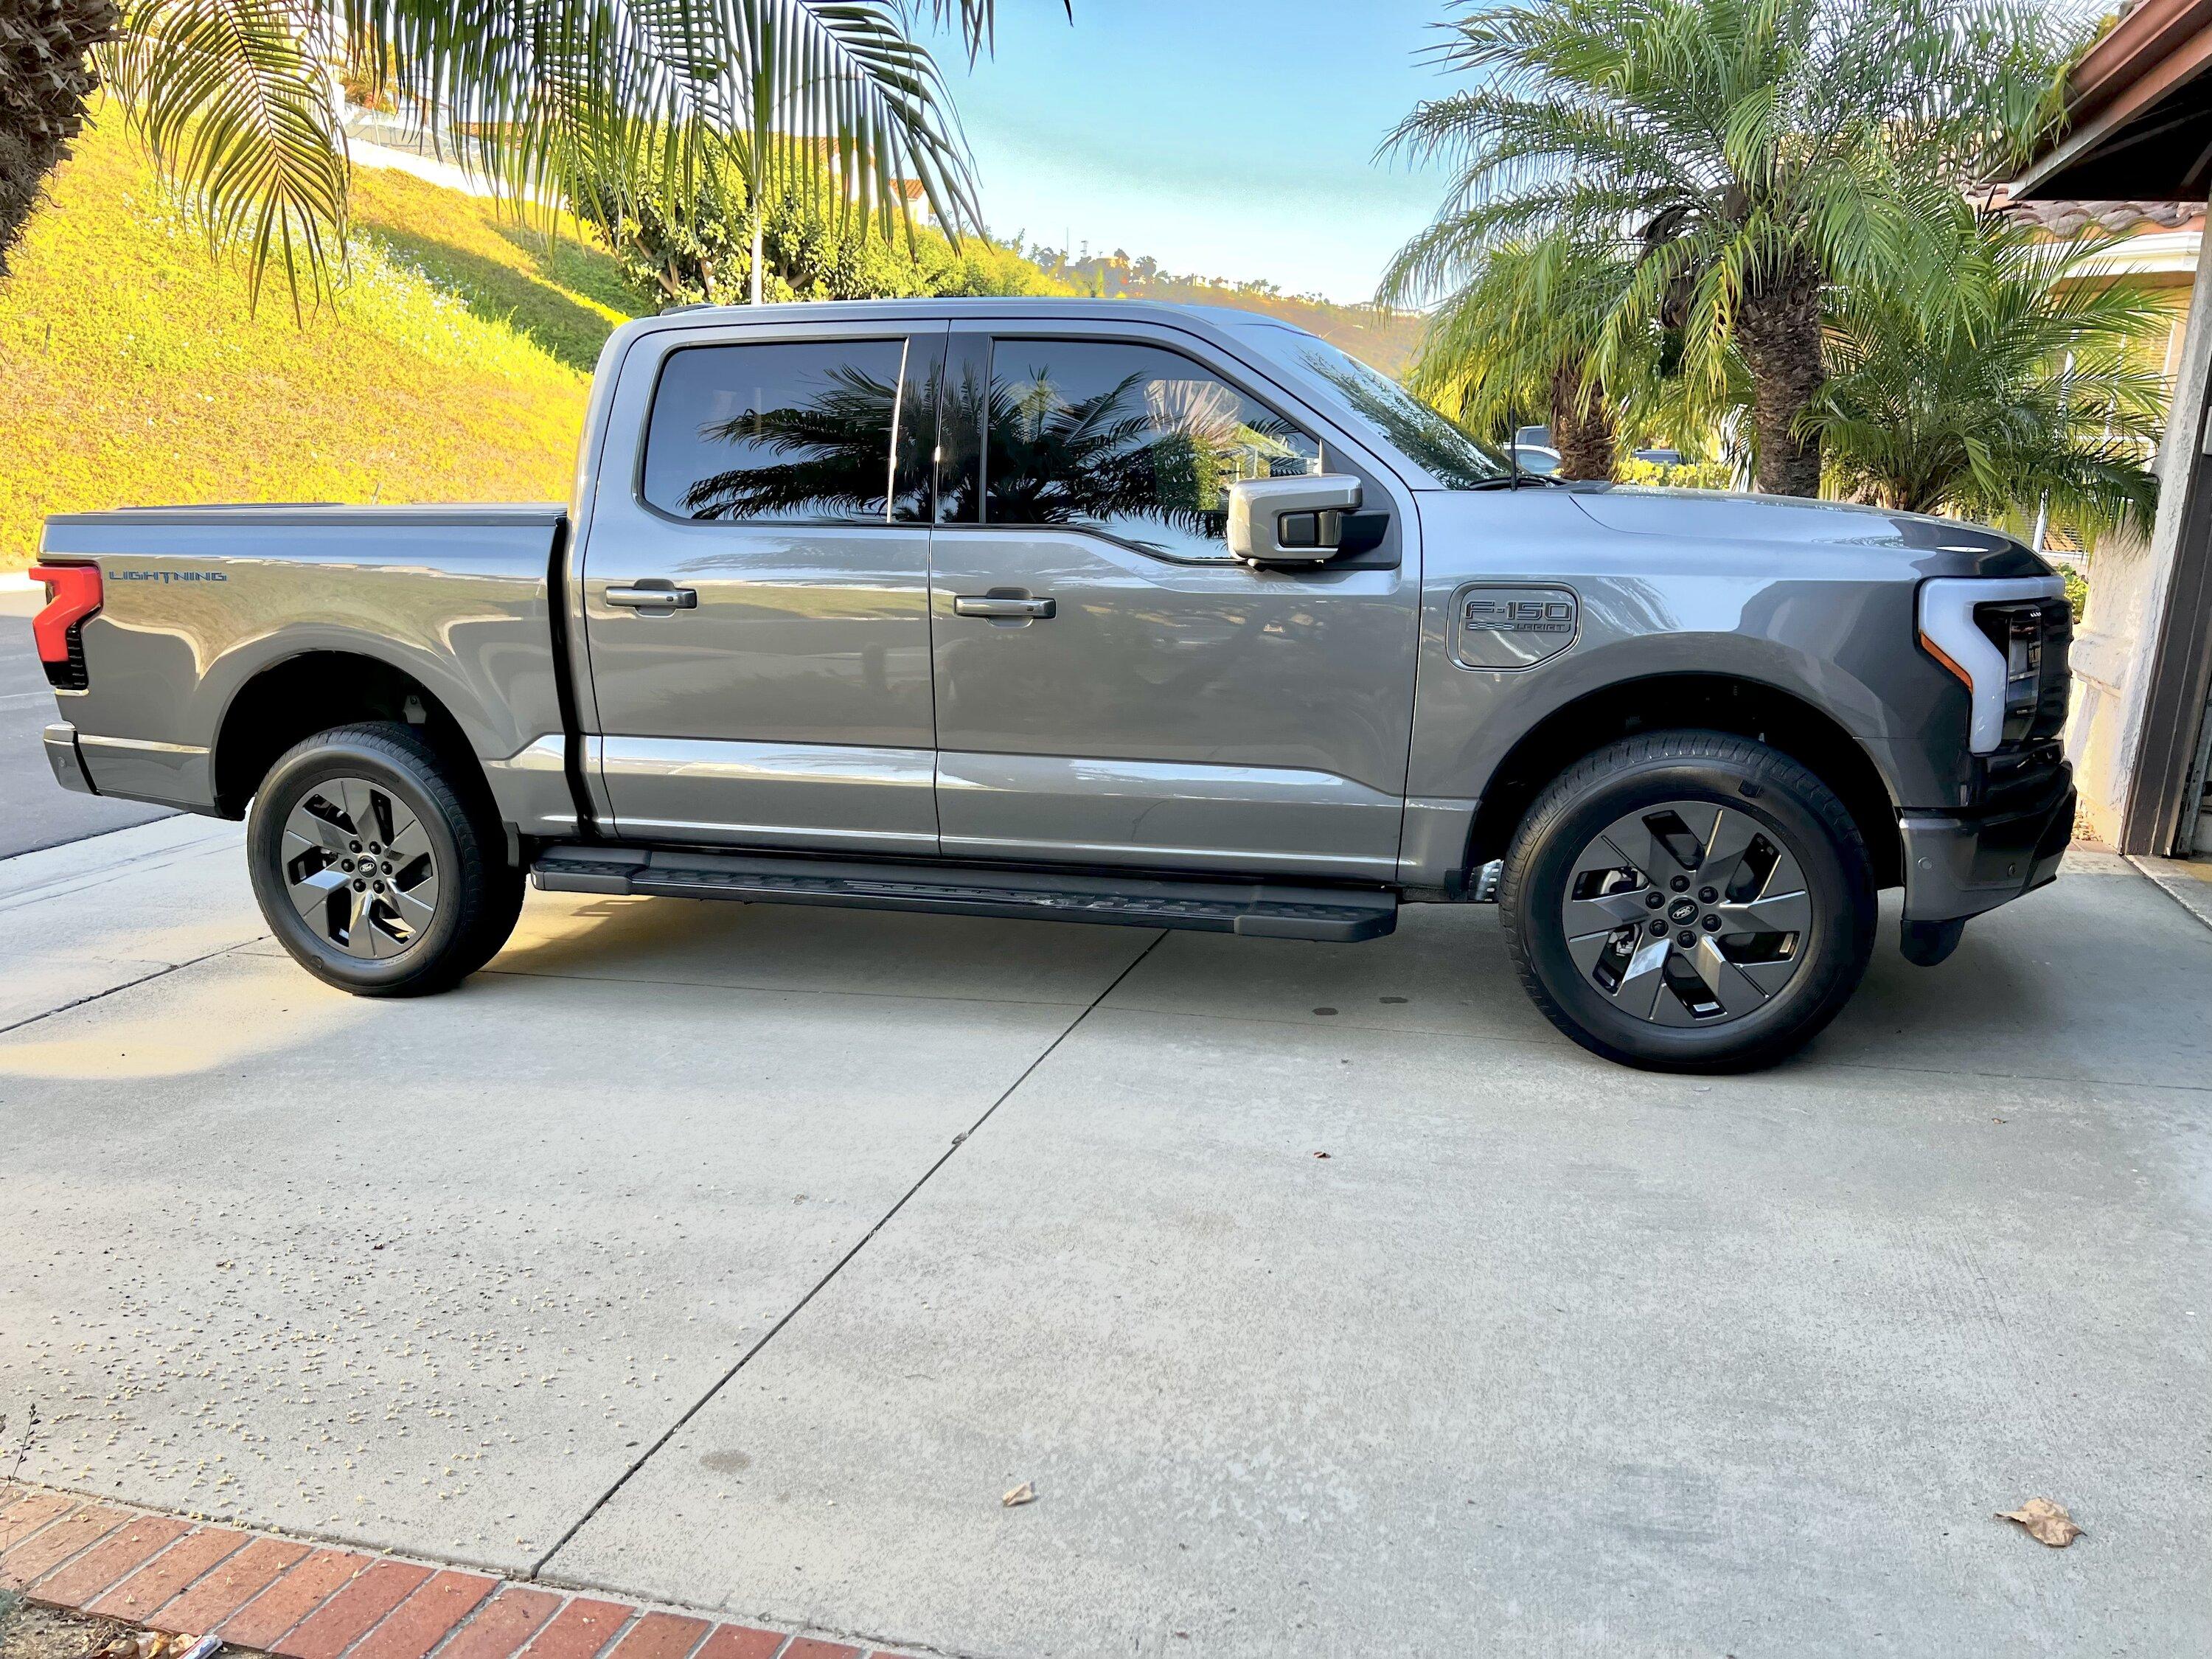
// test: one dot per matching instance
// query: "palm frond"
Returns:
(978, 21)
(2021, 376)
(649, 95)
(230, 99)
(643, 98)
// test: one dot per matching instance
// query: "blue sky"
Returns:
(1228, 137)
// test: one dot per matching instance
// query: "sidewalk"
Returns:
(737, 1259)
(276, 1594)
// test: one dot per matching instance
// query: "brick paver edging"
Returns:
(308, 1601)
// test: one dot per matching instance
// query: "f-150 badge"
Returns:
(1513, 626)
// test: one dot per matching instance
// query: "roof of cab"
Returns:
(1013, 308)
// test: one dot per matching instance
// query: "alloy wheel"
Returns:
(358, 867)
(1688, 913)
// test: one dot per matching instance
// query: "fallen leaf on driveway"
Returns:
(2046, 1523)
(143, 1644)
(1321, 1154)
(1024, 1493)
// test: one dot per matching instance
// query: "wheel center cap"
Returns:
(1681, 910)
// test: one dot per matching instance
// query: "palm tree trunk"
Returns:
(46, 77)
(1581, 425)
(1779, 331)
(760, 225)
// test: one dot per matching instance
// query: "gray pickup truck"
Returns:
(1170, 616)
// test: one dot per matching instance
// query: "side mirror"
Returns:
(1291, 520)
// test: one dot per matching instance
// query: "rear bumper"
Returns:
(130, 768)
(67, 761)
(1960, 867)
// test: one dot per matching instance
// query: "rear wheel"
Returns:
(1689, 901)
(374, 866)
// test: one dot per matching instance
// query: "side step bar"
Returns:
(1256, 909)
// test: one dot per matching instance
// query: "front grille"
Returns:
(2057, 683)
(2033, 636)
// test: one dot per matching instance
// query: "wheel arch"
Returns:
(296, 696)
(1733, 703)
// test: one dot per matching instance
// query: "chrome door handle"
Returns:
(652, 598)
(992, 604)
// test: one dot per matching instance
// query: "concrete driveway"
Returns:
(743, 1256)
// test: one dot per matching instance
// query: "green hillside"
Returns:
(452, 366)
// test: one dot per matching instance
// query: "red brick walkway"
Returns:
(257, 1590)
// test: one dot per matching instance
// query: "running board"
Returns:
(1255, 909)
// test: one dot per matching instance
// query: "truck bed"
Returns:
(203, 608)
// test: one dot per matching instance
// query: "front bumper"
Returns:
(67, 759)
(1958, 865)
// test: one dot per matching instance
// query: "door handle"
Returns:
(993, 604)
(653, 598)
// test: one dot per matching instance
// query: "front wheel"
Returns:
(372, 866)
(1689, 901)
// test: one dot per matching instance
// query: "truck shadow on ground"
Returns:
(2048, 990)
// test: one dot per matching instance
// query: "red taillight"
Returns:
(72, 594)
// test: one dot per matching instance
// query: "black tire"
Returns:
(477, 894)
(502, 910)
(1790, 813)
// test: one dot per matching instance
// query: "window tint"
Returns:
(1131, 440)
(803, 430)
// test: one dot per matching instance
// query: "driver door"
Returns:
(1113, 688)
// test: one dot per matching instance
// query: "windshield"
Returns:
(1422, 436)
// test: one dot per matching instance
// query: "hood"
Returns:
(1944, 546)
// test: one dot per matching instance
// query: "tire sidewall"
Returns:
(344, 754)
(1838, 941)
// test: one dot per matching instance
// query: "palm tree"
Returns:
(45, 75)
(1520, 336)
(1743, 154)
(2013, 375)
(232, 97)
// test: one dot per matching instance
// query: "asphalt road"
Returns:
(742, 1256)
(34, 811)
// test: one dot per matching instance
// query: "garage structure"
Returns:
(2139, 127)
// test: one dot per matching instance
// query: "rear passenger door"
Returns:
(1113, 688)
(756, 590)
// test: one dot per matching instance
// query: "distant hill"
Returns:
(1385, 339)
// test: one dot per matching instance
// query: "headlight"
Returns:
(2006, 641)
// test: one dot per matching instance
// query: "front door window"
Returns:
(1134, 442)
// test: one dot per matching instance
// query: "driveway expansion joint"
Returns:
(161, 972)
(301, 1600)
(538, 1567)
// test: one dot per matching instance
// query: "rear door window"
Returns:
(805, 431)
